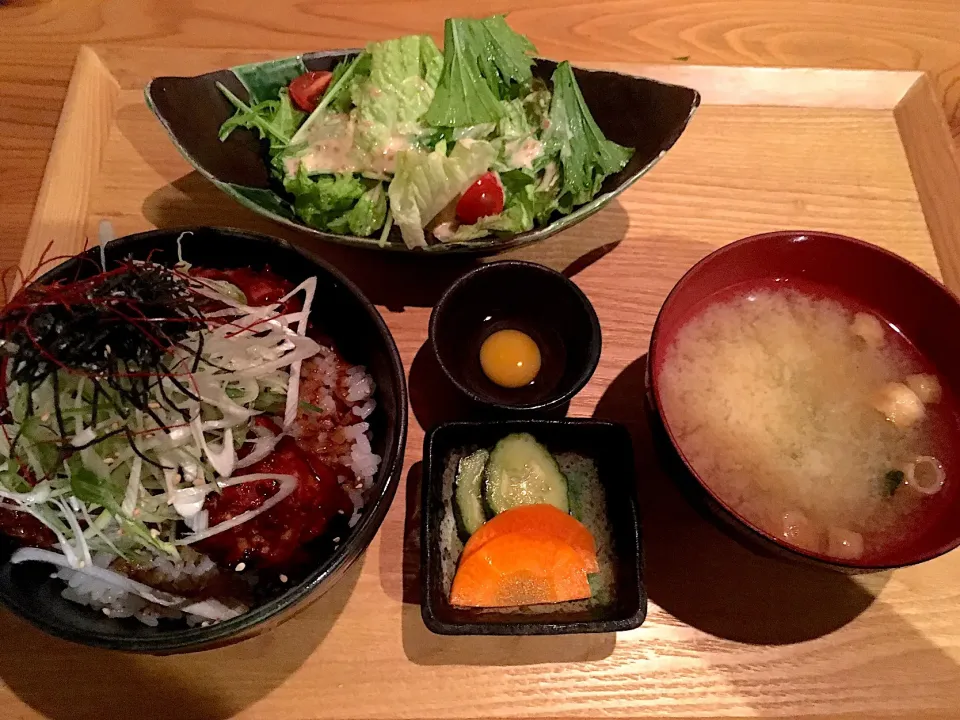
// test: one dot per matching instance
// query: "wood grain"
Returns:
(937, 174)
(74, 163)
(729, 632)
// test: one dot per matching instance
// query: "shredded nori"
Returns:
(130, 316)
(115, 328)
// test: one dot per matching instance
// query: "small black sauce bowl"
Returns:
(512, 294)
(609, 446)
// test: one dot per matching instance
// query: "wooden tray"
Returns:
(865, 153)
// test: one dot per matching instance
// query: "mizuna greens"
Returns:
(403, 130)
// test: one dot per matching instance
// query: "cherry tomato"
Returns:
(306, 90)
(483, 198)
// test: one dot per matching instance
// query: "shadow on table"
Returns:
(395, 280)
(425, 648)
(400, 545)
(64, 681)
(706, 578)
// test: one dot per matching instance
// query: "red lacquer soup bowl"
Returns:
(861, 276)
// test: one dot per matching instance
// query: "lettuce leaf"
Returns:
(364, 218)
(525, 116)
(342, 96)
(275, 120)
(463, 97)
(546, 193)
(484, 61)
(348, 76)
(424, 183)
(321, 201)
(428, 139)
(503, 55)
(586, 157)
(431, 61)
(514, 219)
(514, 121)
(403, 75)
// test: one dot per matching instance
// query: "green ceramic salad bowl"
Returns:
(615, 126)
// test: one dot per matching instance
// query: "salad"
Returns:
(448, 146)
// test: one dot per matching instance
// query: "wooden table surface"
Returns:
(915, 652)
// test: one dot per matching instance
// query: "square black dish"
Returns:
(608, 445)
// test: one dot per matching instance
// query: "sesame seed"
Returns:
(106, 611)
(154, 533)
(241, 567)
(336, 539)
(340, 512)
(108, 461)
(44, 417)
(283, 578)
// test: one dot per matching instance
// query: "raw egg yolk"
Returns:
(510, 358)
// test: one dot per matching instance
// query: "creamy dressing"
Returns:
(385, 161)
(522, 153)
(331, 148)
(445, 230)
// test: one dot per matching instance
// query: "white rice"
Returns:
(362, 460)
(356, 388)
(114, 602)
(324, 380)
(359, 384)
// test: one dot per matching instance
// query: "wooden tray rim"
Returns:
(95, 92)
